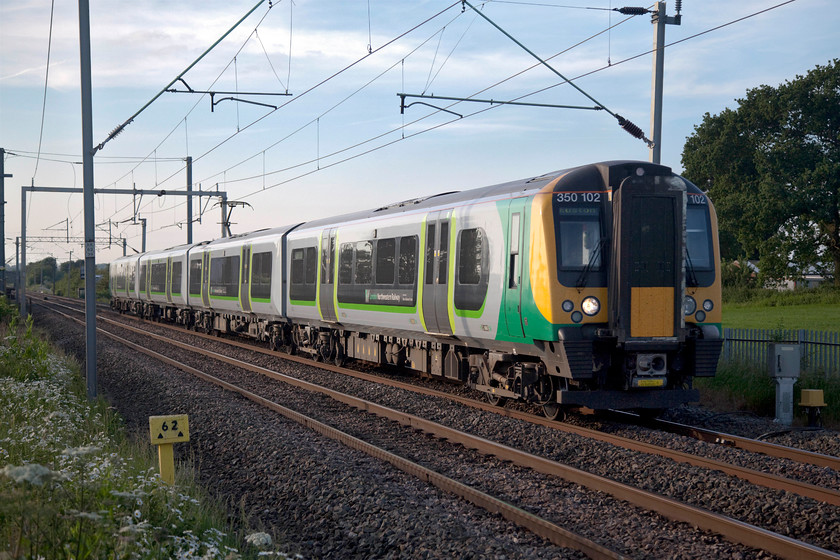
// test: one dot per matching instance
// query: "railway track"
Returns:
(823, 494)
(731, 529)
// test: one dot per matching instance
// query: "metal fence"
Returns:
(820, 349)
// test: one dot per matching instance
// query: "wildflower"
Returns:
(87, 515)
(260, 540)
(33, 474)
(81, 451)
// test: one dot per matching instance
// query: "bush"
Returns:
(765, 297)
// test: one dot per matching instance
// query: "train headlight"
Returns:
(689, 305)
(591, 306)
(708, 305)
(568, 306)
(700, 316)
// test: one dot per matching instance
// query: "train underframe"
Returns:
(588, 369)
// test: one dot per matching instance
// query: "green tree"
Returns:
(772, 166)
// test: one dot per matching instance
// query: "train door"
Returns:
(147, 277)
(648, 287)
(516, 248)
(168, 279)
(205, 278)
(326, 276)
(436, 273)
(245, 278)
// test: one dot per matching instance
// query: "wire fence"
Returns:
(820, 350)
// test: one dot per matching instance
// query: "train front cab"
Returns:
(641, 345)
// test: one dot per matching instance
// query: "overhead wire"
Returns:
(411, 123)
(608, 66)
(379, 136)
(319, 84)
(376, 148)
(46, 84)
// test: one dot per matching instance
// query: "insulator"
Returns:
(679, 6)
(631, 128)
(631, 11)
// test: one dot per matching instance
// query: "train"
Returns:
(597, 286)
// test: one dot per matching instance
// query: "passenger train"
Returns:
(597, 286)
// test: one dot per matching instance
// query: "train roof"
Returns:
(593, 176)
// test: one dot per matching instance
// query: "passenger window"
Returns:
(195, 277)
(311, 264)
(408, 260)
(364, 264)
(345, 264)
(385, 261)
(469, 256)
(175, 281)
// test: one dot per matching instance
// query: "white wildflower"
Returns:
(33, 474)
(81, 451)
(135, 528)
(260, 540)
(87, 515)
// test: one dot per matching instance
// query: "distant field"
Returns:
(818, 316)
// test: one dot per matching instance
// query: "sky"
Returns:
(339, 143)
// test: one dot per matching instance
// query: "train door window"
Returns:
(443, 258)
(175, 280)
(513, 258)
(386, 261)
(261, 276)
(131, 270)
(345, 264)
(408, 260)
(328, 260)
(364, 264)
(653, 239)
(195, 277)
(430, 254)
(311, 265)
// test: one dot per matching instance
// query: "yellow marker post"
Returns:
(164, 431)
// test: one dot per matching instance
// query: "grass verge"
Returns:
(71, 484)
(745, 386)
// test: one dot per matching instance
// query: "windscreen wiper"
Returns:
(691, 276)
(584, 275)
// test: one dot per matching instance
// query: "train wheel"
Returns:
(496, 400)
(554, 411)
(340, 357)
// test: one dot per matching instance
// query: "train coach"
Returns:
(597, 286)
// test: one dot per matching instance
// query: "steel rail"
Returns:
(732, 529)
(826, 495)
(537, 525)
(748, 444)
(776, 482)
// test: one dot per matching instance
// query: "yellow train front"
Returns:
(624, 264)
